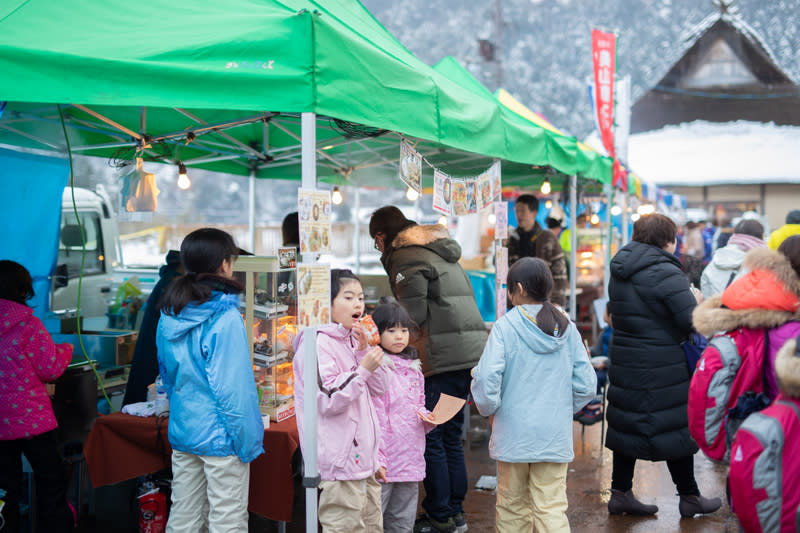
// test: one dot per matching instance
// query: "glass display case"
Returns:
(269, 308)
(589, 256)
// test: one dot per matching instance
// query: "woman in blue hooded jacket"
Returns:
(215, 425)
(533, 375)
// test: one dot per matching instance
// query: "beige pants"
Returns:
(351, 506)
(209, 494)
(531, 494)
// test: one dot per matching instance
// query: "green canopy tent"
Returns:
(265, 88)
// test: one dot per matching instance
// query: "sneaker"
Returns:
(426, 524)
(461, 523)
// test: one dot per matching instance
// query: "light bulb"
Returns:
(492, 218)
(545, 186)
(183, 178)
(442, 221)
(616, 210)
(635, 217)
(594, 219)
(337, 197)
(412, 194)
(646, 209)
(548, 204)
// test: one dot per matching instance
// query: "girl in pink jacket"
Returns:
(29, 359)
(400, 413)
(348, 437)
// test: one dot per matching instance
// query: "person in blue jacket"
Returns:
(215, 426)
(533, 375)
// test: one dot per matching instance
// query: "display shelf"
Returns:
(269, 307)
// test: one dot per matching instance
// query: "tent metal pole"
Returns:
(609, 239)
(357, 247)
(311, 479)
(625, 217)
(573, 235)
(251, 212)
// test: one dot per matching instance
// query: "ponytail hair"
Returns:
(534, 276)
(202, 254)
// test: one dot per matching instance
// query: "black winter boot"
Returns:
(626, 502)
(692, 505)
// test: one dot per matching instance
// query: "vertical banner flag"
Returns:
(604, 51)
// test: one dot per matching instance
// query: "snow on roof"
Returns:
(710, 153)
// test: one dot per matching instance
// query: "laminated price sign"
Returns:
(313, 295)
(314, 219)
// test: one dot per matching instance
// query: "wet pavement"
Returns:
(588, 491)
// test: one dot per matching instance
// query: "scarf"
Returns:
(746, 242)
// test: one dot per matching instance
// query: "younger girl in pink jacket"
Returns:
(400, 413)
(348, 435)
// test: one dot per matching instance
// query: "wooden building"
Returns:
(722, 127)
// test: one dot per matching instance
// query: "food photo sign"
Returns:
(410, 166)
(442, 193)
(313, 295)
(314, 217)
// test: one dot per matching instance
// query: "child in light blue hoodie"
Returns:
(533, 375)
(215, 425)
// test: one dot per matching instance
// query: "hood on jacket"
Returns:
(636, 256)
(15, 312)
(787, 368)
(728, 257)
(191, 316)
(434, 237)
(336, 331)
(533, 337)
(713, 315)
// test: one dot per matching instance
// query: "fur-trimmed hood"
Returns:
(712, 316)
(787, 368)
(435, 237)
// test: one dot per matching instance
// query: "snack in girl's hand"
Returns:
(370, 331)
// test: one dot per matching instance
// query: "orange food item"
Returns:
(370, 330)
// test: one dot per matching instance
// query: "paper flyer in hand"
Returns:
(500, 220)
(314, 220)
(497, 186)
(442, 193)
(446, 408)
(459, 197)
(472, 196)
(410, 166)
(484, 185)
(313, 295)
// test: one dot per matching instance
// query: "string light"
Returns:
(412, 194)
(545, 186)
(594, 219)
(548, 204)
(492, 218)
(616, 210)
(337, 197)
(183, 178)
(442, 221)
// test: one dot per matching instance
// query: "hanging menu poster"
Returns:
(313, 295)
(500, 220)
(459, 197)
(494, 176)
(314, 218)
(410, 166)
(484, 185)
(472, 196)
(442, 192)
(501, 275)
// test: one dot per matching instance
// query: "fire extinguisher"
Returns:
(152, 512)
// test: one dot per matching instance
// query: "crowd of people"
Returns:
(377, 435)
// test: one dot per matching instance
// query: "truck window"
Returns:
(69, 250)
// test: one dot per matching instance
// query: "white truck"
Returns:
(103, 269)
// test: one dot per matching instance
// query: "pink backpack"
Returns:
(765, 470)
(731, 366)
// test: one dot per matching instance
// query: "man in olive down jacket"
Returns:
(423, 269)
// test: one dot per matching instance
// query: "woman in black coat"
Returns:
(651, 302)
